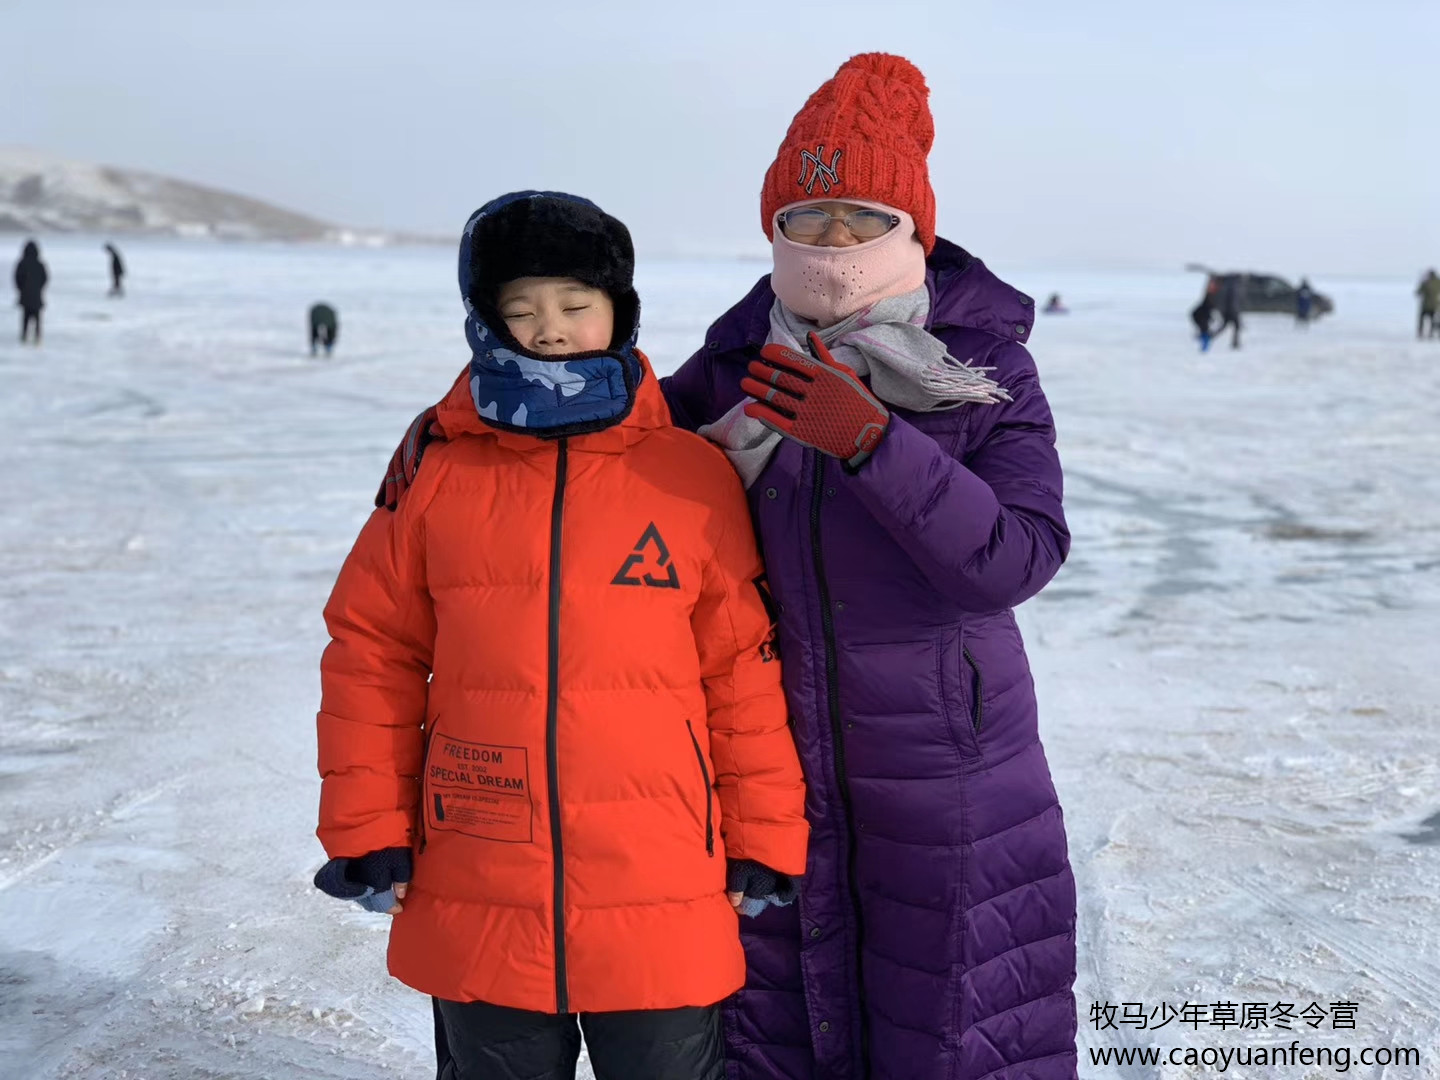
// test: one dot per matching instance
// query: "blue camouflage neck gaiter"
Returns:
(548, 397)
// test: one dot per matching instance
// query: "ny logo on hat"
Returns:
(812, 166)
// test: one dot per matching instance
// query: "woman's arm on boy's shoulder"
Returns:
(425, 429)
(689, 391)
(374, 683)
(989, 532)
(757, 771)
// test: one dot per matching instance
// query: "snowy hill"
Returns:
(41, 193)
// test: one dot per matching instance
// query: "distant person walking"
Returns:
(1232, 299)
(1429, 293)
(1203, 314)
(324, 328)
(1304, 303)
(31, 277)
(117, 271)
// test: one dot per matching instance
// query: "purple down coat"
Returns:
(935, 934)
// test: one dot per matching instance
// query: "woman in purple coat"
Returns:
(902, 472)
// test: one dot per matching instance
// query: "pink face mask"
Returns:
(827, 284)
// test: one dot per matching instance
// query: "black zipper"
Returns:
(709, 798)
(832, 691)
(979, 710)
(424, 775)
(552, 713)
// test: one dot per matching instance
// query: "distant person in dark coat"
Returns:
(117, 271)
(1232, 299)
(1203, 314)
(1056, 306)
(1429, 293)
(31, 278)
(1304, 303)
(324, 328)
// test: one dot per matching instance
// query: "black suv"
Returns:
(1268, 293)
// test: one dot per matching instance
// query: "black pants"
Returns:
(27, 317)
(324, 336)
(476, 1041)
(1232, 318)
(1425, 313)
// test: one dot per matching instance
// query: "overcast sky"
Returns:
(1298, 137)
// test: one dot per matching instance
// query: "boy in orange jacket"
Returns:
(552, 722)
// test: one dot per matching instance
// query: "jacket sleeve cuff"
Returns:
(389, 830)
(782, 848)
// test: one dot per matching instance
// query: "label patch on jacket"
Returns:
(649, 564)
(479, 790)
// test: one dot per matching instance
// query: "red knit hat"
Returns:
(864, 135)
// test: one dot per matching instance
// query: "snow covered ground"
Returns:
(1238, 668)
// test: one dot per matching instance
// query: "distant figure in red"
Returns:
(31, 277)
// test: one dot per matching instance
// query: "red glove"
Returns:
(405, 462)
(817, 402)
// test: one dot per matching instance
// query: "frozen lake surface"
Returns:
(1238, 668)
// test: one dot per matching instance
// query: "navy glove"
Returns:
(757, 886)
(369, 880)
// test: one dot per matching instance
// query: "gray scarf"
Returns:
(908, 368)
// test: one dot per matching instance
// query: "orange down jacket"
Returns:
(550, 672)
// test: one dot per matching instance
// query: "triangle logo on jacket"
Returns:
(650, 545)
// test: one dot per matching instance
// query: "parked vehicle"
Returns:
(1269, 293)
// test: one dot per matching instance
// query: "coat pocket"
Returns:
(430, 723)
(977, 688)
(708, 790)
(963, 689)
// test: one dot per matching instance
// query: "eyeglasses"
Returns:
(811, 221)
